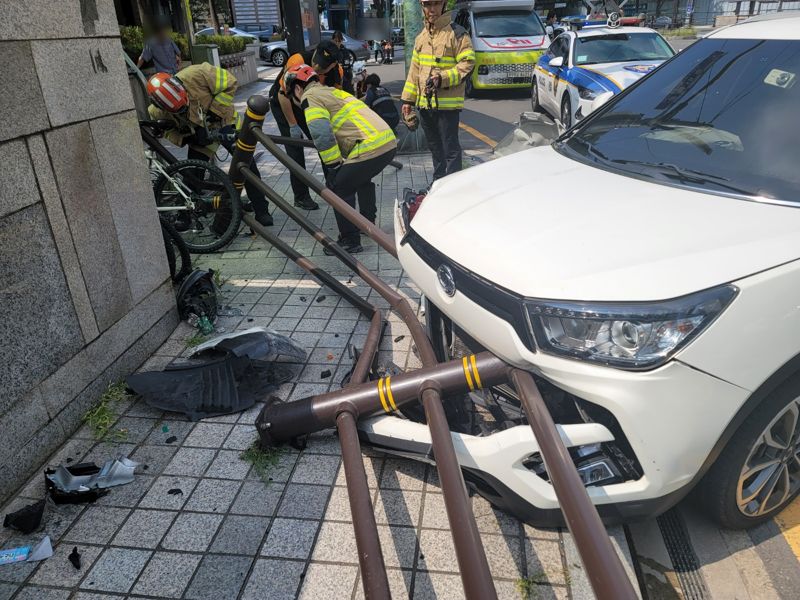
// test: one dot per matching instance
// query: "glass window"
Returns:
(721, 116)
(507, 23)
(621, 47)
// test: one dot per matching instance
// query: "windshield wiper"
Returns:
(685, 175)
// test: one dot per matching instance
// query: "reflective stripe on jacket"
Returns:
(210, 90)
(444, 49)
(344, 128)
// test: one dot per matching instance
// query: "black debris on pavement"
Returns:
(175, 492)
(75, 558)
(335, 335)
(302, 298)
(399, 338)
(171, 439)
(325, 374)
(26, 519)
(320, 298)
(250, 320)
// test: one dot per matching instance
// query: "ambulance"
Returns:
(508, 38)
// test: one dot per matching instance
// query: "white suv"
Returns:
(646, 268)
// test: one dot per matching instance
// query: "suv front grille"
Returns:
(497, 300)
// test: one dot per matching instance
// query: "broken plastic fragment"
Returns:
(75, 557)
(325, 374)
(26, 519)
(320, 298)
(223, 375)
(82, 482)
(41, 551)
(171, 439)
(175, 492)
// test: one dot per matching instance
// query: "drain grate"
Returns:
(684, 560)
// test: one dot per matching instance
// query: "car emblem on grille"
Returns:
(446, 280)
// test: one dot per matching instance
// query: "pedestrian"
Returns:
(441, 61)
(377, 47)
(162, 50)
(549, 24)
(380, 100)
(355, 148)
(388, 52)
(289, 116)
(198, 101)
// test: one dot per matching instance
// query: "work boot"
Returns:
(265, 220)
(306, 203)
(351, 245)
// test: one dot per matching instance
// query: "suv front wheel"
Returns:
(758, 473)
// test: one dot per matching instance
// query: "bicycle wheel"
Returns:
(178, 257)
(198, 199)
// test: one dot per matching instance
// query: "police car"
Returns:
(583, 69)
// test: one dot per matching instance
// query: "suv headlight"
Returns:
(627, 335)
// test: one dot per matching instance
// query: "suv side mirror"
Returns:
(557, 62)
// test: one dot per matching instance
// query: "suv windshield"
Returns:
(621, 47)
(507, 23)
(721, 116)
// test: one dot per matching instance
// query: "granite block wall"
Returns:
(85, 295)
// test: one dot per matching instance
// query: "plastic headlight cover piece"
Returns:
(635, 335)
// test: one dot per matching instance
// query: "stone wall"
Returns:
(85, 295)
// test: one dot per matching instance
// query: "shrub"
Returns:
(183, 43)
(227, 44)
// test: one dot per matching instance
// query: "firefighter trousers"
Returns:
(355, 180)
(441, 131)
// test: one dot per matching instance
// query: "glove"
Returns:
(295, 132)
(330, 176)
(410, 117)
(200, 137)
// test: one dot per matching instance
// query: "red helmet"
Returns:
(299, 74)
(167, 92)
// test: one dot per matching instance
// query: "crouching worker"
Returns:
(198, 101)
(354, 143)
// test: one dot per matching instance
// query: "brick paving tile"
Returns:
(116, 570)
(192, 532)
(217, 577)
(273, 579)
(167, 574)
(144, 528)
(213, 495)
(240, 535)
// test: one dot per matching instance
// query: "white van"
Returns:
(508, 38)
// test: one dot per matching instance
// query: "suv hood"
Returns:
(545, 226)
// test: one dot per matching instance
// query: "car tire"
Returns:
(566, 112)
(724, 489)
(279, 58)
(535, 106)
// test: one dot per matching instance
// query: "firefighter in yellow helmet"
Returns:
(441, 61)
(353, 141)
(198, 101)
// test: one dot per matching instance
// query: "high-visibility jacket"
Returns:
(344, 128)
(444, 49)
(210, 90)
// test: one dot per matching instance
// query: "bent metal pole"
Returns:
(603, 566)
(472, 562)
(370, 557)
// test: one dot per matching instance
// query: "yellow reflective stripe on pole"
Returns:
(474, 364)
(332, 154)
(467, 375)
(382, 396)
(389, 393)
(314, 113)
(243, 146)
(253, 115)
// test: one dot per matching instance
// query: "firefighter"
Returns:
(354, 143)
(198, 100)
(441, 61)
(289, 116)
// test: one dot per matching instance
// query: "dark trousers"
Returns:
(256, 196)
(355, 179)
(299, 189)
(441, 131)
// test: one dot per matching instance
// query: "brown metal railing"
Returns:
(343, 407)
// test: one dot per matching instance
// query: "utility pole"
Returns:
(213, 12)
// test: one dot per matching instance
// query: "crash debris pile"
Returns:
(534, 129)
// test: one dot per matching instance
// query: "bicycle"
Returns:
(178, 257)
(195, 197)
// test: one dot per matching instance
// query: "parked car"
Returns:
(231, 31)
(646, 268)
(662, 22)
(582, 69)
(358, 50)
(277, 52)
(398, 35)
